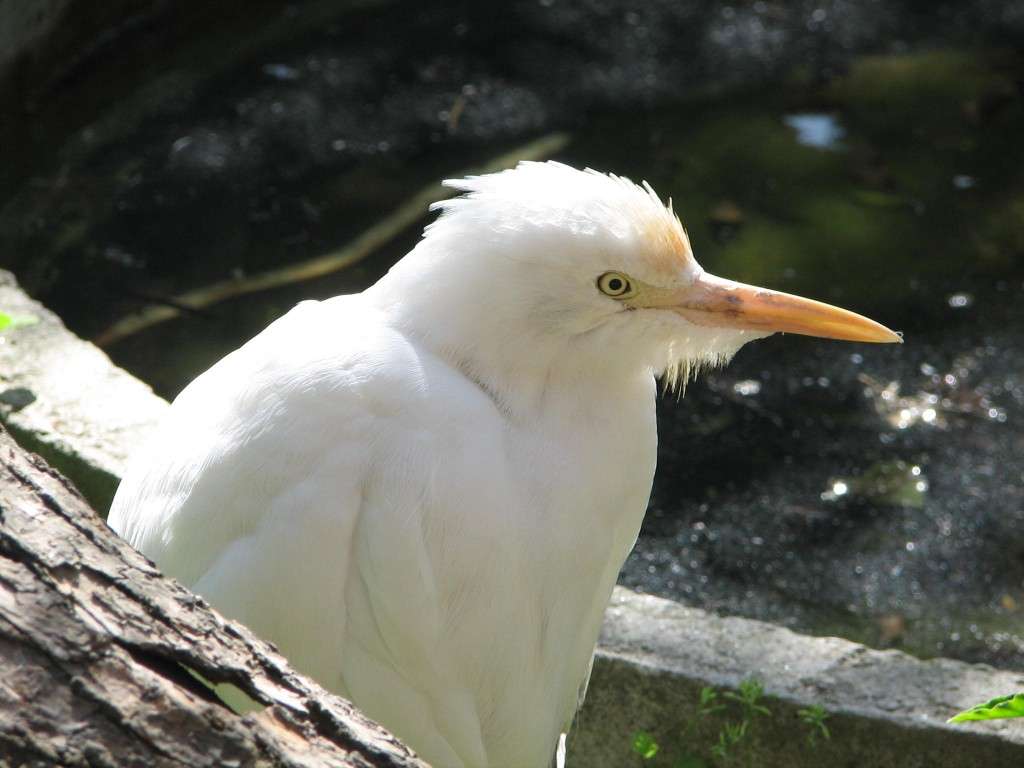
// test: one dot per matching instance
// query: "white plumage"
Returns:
(424, 493)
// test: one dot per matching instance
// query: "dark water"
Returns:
(874, 493)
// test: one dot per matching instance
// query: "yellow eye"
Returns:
(615, 284)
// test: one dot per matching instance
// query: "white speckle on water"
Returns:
(816, 129)
(960, 300)
(281, 72)
(747, 387)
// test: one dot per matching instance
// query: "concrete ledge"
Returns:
(887, 708)
(62, 398)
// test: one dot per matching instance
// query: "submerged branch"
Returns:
(378, 235)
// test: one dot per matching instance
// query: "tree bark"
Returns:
(94, 645)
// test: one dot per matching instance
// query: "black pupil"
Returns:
(615, 285)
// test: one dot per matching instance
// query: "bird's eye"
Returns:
(615, 284)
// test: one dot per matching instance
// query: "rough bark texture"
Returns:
(94, 642)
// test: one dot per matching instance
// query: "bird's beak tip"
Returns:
(880, 335)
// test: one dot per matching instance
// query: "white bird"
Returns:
(423, 493)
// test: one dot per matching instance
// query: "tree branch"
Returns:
(94, 646)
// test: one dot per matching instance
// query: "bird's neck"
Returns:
(520, 372)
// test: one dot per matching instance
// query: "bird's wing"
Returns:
(237, 442)
(288, 485)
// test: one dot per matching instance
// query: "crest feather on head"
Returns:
(552, 193)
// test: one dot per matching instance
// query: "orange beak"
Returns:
(713, 301)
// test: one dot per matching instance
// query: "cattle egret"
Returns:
(423, 493)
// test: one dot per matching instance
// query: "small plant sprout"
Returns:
(1000, 707)
(814, 717)
(730, 735)
(707, 705)
(749, 694)
(732, 719)
(644, 745)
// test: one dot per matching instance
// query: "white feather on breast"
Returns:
(332, 481)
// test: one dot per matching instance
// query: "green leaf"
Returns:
(16, 321)
(734, 732)
(750, 693)
(751, 689)
(690, 761)
(707, 705)
(993, 709)
(645, 745)
(730, 735)
(814, 717)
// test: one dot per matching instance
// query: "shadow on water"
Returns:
(874, 493)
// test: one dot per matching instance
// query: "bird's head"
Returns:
(547, 260)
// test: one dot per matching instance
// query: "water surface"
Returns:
(871, 492)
